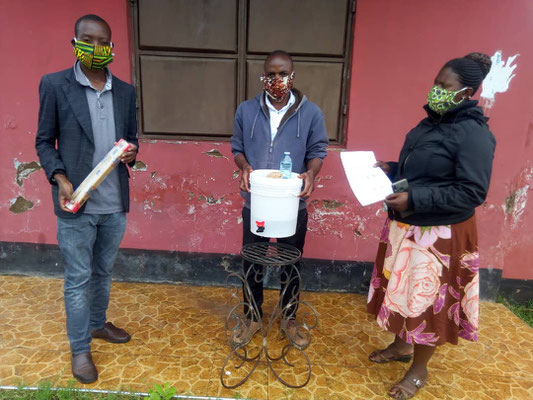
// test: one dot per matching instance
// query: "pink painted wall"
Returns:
(187, 200)
(398, 49)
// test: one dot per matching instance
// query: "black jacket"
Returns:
(65, 141)
(447, 161)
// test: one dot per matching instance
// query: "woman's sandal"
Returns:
(404, 392)
(378, 357)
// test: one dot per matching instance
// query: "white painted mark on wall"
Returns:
(519, 205)
(498, 79)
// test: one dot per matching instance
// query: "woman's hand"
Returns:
(383, 165)
(398, 201)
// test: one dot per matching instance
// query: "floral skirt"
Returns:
(425, 284)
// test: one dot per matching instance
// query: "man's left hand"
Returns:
(398, 201)
(309, 184)
(129, 156)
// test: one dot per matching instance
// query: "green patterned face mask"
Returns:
(93, 56)
(441, 100)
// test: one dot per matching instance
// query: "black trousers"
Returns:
(255, 275)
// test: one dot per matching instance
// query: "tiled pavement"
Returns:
(178, 337)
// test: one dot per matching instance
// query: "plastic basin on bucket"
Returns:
(274, 204)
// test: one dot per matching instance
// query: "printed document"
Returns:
(369, 184)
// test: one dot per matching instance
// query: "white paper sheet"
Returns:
(369, 184)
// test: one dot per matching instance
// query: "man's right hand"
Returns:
(245, 178)
(65, 191)
(383, 165)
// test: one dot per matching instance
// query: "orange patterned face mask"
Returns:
(278, 88)
(93, 56)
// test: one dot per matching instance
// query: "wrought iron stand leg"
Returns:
(278, 314)
(252, 312)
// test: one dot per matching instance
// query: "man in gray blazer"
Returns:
(83, 111)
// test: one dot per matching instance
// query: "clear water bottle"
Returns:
(285, 166)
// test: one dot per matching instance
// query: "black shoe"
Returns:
(83, 368)
(112, 334)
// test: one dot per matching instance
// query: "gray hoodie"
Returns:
(302, 132)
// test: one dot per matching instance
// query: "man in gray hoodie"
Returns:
(277, 120)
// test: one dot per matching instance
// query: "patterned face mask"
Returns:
(441, 100)
(93, 56)
(278, 88)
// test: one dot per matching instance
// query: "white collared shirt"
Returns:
(275, 115)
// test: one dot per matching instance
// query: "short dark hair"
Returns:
(279, 53)
(89, 17)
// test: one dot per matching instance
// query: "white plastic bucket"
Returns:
(274, 204)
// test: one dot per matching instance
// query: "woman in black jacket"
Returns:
(425, 285)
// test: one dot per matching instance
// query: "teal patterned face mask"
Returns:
(441, 100)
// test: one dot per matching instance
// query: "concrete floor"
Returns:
(178, 337)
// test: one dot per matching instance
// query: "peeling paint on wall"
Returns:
(139, 166)
(331, 204)
(515, 204)
(508, 207)
(210, 199)
(225, 263)
(25, 169)
(215, 153)
(520, 203)
(334, 218)
(148, 205)
(20, 205)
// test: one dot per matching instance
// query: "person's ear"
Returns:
(464, 94)
(467, 94)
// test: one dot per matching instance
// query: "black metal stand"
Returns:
(276, 255)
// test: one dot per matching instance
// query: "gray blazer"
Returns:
(65, 140)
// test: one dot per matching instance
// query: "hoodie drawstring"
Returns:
(298, 130)
(253, 125)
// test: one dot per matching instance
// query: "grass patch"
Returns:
(23, 394)
(46, 391)
(522, 311)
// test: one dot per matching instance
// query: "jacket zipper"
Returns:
(405, 162)
(402, 170)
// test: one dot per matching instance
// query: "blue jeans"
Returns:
(89, 245)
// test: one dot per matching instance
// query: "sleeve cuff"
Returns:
(57, 171)
(411, 200)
